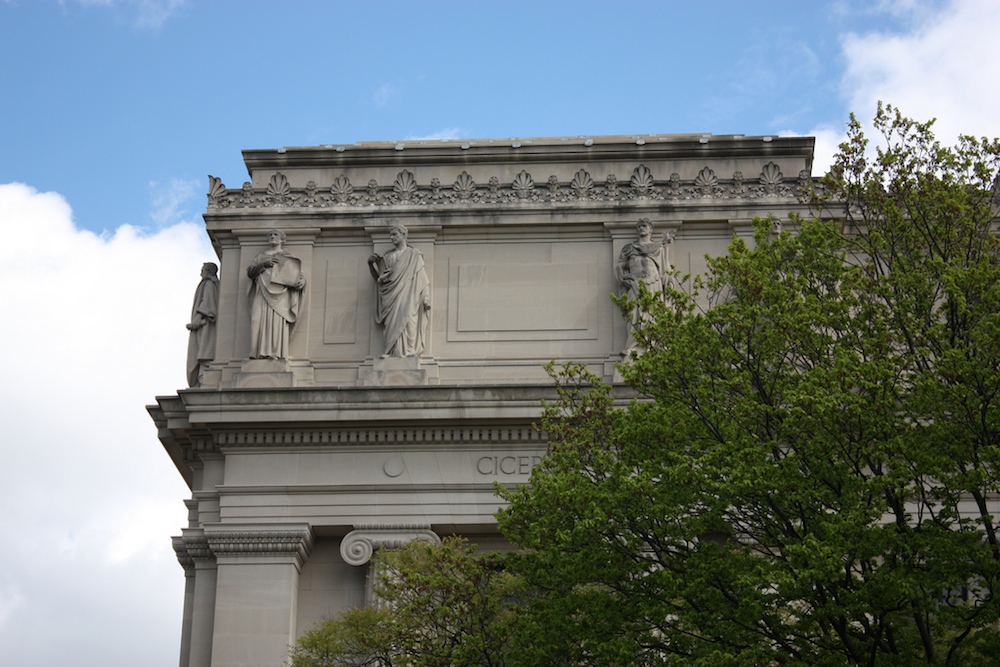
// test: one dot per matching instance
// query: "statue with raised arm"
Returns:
(403, 296)
(641, 262)
(201, 341)
(276, 284)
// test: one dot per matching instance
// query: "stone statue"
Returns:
(201, 342)
(641, 262)
(276, 284)
(403, 296)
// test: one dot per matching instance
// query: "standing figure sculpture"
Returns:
(403, 296)
(642, 262)
(276, 284)
(201, 342)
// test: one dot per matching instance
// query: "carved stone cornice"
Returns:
(196, 548)
(359, 545)
(518, 404)
(294, 542)
(637, 185)
(530, 150)
(183, 555)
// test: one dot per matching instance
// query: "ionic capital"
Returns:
(359, 545)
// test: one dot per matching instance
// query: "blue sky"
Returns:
(113, 113)
(124, 107)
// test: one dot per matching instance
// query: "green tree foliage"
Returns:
(439, 606)
(363, 637)
(811, 472)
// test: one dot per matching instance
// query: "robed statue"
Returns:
(402, 298)
(276, 284)
(201, 341)
(641, 262)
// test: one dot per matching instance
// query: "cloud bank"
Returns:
(942, 67)
(96, 330)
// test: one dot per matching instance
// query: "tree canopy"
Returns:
(437, 606)
(808, 473)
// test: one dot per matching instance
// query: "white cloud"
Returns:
(828, 140)
(154, 13)
(942, 66)
(169, 200)
(10, 600)
(149, 14)
(384, 94)
(96, 330)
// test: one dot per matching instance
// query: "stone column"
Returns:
(257, 591)
(202, 599)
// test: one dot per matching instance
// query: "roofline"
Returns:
(539, 149)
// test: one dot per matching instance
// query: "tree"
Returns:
(438, 605)
(363, 637)
(810, 472)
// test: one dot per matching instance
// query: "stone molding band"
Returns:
(355, 436)
(184, 556)
(294, 542)
(194, 547)
(260, 542)
(359, 545)
(405, 190)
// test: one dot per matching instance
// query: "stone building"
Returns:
(309, 440)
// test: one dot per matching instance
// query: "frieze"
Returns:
(405, 190)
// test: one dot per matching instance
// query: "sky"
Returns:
(113, 113)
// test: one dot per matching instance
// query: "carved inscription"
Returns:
(504, 465)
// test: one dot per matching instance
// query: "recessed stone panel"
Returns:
(340, 314)
(508, 301)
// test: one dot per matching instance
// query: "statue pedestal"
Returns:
(272, 373)
(397, 372)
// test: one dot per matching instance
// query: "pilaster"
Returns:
(257, 591)
(187, 562)
(202, 598)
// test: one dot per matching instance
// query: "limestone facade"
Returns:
(301, 466)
